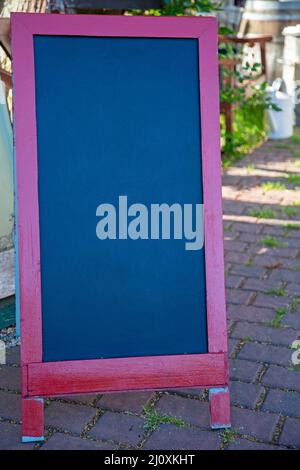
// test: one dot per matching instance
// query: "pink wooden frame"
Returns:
(199, 370)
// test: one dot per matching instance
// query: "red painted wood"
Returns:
(24, 380)
(32, 417)
(136, 373)
(211, 167)
(107, 25)
(127, 373)
(219, 404)
(27, 193)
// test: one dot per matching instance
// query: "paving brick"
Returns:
(234, 246)
(291, 433)
(285, 275)
(133, 401)
(276, 252)
(61, 441)
(292, 320)
(10, 406)
(230, 236)
(264, 334)
(265, 353)
(292, 264)
(10, 437)
(235, 257)
(281, 377)
(230, 180)
(238, 296)
(171, 437)
(244, 394)
(279, 231)
(191, 411)
(249, 237)
(253, 423)
(248, 271)
(233, 207)
(13, 355)
(247, 227)
(118, 427)
(68, 417)
(243, 370)
(194, 392)
(245, 444)
(232, 344)
(286, 403)
(289, 241)
(257, 285)
(249, 313)
(270, 301)
(293, 289)
(268, 262)
(90, 400)
(233, 281)
(10, 378)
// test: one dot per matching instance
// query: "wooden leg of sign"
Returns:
(219, 405)
(32, 419)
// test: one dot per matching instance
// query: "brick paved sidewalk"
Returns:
(262, 247)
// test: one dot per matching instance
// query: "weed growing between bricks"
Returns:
(153, 419)
(228, 436)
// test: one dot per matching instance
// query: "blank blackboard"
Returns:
(117, 116)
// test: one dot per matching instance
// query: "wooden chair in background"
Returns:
(227, 68)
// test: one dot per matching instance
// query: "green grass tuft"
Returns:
(293, 307)
(277, 292)
(289, 211)
(153, 419)
(293, 178)
(292, 226)
(279, 314)
(271, 242)
(250, 168)
(273, 186)
(262, 213)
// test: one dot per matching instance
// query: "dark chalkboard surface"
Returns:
(117, 116)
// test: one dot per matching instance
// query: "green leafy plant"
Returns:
(228, 436)
(249, 117)
(296, 139)
(250, 101)
(180, 8)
